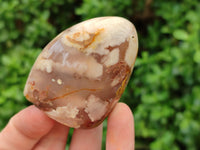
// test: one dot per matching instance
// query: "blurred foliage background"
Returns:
(164, 91)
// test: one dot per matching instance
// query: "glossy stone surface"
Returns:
(81, 74)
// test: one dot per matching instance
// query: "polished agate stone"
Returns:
(81, 74)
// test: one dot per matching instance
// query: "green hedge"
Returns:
(164, 91)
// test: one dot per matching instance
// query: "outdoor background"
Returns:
(164, 91)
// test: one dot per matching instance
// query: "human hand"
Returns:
(31, 129)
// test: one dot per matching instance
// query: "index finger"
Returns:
(25, 129)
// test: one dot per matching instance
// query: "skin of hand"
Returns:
(31, 129)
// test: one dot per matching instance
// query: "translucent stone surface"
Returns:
(81, 74)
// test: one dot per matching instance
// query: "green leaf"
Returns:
(180, 34)
(197, 56)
